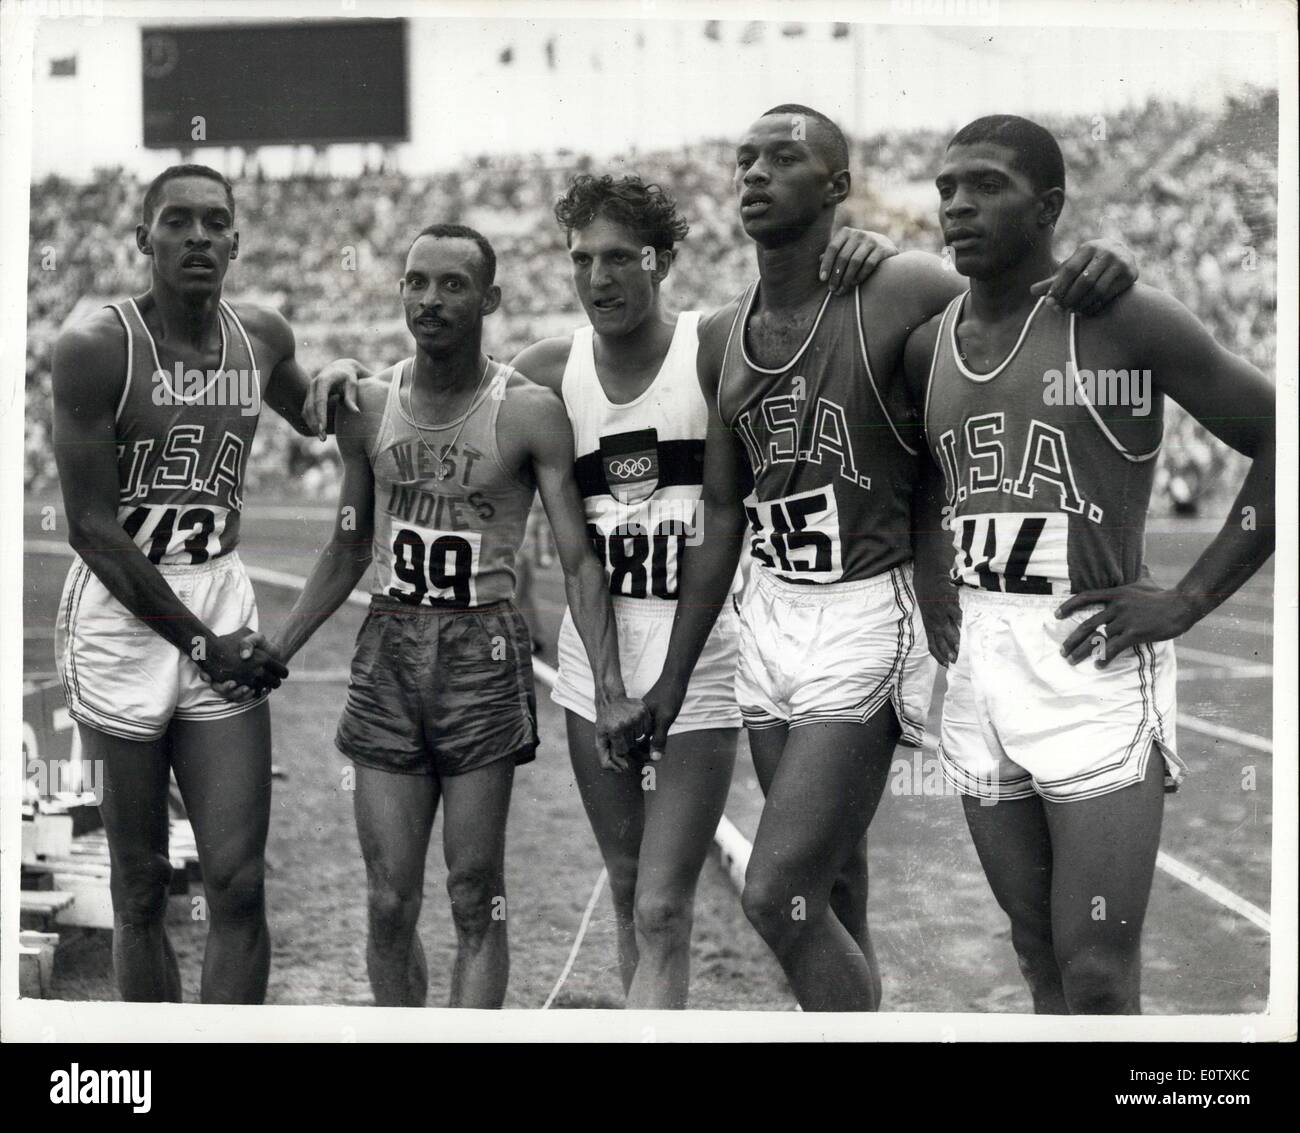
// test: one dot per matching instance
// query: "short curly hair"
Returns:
(645, 209)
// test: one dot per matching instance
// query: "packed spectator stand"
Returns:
(1200, 214)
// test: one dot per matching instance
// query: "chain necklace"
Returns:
(444, 467)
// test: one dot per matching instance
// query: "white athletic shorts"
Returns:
(644, 627)
(834, 652)
(1019, 720)
(122, 678)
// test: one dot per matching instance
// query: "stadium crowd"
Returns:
(1194, 195)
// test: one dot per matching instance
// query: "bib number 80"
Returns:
(639, 561)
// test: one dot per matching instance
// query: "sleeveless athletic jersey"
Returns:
(183, 441)
(833, 479)
(639, 466)
(451, 540)
(1044, 498)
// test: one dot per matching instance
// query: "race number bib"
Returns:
(798, 536)
(642, 547)
(1014, 552)
(433, 566)
(175, 534)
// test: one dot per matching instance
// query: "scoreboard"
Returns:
(299, 83)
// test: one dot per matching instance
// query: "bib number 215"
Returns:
(798, 535)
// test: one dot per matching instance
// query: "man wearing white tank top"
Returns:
(631, 389)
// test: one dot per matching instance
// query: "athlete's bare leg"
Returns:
(1015, 849)
(849, 904)
(476, 805)
(616, 812)
(134, 809)
(223, 768)
(394, 816)
(654, 826)
(849, 893)
(822, 797)
(683, 803)
(1103, 859)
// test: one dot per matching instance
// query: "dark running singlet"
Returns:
(183, 441)
(1045, 499)
(452, 539)
(833, 478)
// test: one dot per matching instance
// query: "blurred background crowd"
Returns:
(1194, 195)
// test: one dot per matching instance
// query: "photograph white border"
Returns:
(67, 1021)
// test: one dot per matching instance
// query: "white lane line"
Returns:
(1221, 732)
(1255, 599)
(297, 582)
(735, 849)
(1245, 673)
(547, 675)
(1216, 892)
(1232, 622)
(1220, 660)
(577, 940)
(46, 547)
(309, 512)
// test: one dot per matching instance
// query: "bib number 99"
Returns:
(437, 566)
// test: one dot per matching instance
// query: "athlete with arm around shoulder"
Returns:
(1059, 718)
(441, 467)
(809, 385)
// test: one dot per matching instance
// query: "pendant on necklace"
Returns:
(444, 470)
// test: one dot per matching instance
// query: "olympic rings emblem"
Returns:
(637, 466)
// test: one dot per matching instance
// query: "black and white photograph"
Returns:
(649, 521)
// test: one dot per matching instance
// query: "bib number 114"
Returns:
(1012, 552)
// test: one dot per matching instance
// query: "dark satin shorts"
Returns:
(440, 690)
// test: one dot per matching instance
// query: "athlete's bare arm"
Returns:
(1149, 330)
(544, 362)
(346, 557)
(1094, 274)
(533, 421)
(911, 288)
(931, 539)
(708, 566)
(286, 387)
(851, 255)
(88, 380)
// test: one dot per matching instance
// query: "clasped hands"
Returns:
(242, 665)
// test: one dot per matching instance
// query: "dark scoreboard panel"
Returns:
(276, 84)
